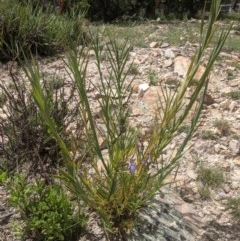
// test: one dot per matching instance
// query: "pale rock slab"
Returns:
(146, 104)
(154, 45)
(226, 90)
(167, 63)
(169, 54)
(233, 106)
(144, 86)
(164, 45)
(181, 66)
(234, 146)
(192, 174)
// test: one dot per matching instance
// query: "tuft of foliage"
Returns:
(210, 178)
(132, 71)
(183, 128)
(25, 29)
(234, 205)
(46, 211)
(208, 135)
(26, 138)
(235, 95)
(152, 77)
(223, 126)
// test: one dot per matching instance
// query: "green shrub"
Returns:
(46, 211)
(122, 170)
(27, 30)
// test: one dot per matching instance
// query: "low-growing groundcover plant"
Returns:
(46, 211)
(119, 176)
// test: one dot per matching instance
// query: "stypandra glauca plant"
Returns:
(113, 176)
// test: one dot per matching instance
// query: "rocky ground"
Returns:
(212, 146)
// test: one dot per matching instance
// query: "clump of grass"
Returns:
(184, 128)
(236, 137)
(133, 70)
(208, 135)
(223, 126)
(235, 95)
(230, 75)
(210, 178)
(173, 83)
(204, 192)
(234, 205)
(54, 82)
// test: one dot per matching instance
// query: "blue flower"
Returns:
(132, 167)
